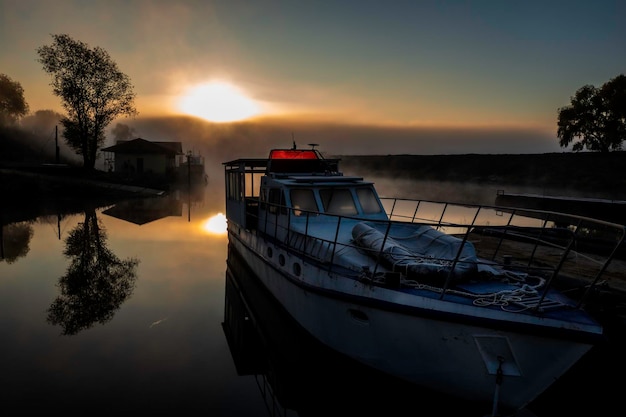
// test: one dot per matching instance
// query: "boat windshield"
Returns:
(303, 199)
(338, 201)
(368, 200)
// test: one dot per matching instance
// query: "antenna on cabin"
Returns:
(294, 142)
(313, 145)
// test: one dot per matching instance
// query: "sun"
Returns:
(217, 102)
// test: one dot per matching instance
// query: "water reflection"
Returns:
(96, 283)
(146, 210)
(216, 224)
(146, 338)
(14, 241)
(183, 365)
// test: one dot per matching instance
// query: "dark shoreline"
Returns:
(596, 173)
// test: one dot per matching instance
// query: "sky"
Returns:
(431, 77)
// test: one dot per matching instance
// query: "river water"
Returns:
(138, 307)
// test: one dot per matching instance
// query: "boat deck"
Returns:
(575, 255)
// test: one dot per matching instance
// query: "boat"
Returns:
(483, 303)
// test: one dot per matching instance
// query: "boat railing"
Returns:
(574, 253)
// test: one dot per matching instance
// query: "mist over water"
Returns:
(469, 193)
(225, 141)
(222, 142)
(459, 192)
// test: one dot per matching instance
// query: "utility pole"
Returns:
(189, 186)
(56, 142)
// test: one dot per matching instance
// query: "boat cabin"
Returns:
(291, 186)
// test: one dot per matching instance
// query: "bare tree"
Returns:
(12, 102)
(92, 89)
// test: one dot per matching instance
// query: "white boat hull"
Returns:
(462, 359)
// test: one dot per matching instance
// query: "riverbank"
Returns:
(597, 174)
(48, 189)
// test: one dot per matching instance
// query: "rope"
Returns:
(498, 298)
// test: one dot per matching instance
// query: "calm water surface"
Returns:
(128, 319)
(138, 307)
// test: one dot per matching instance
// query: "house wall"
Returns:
(152, 163)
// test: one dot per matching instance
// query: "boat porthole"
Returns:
(281, 259)
(270, 253)
(297, 269)
(358, 316)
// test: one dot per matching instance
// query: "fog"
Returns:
(459, 192)
(220, 142)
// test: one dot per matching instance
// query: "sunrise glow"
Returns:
(217, 102)
(215, 224)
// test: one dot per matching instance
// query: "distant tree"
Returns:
(12, 102)
(595, 116)
(42, 122)
(93, 91)
(123, 132)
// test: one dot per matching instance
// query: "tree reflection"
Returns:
(96, 283)
(14, 241)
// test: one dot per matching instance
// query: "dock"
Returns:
(597, 208)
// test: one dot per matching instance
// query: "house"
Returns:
(139, 156)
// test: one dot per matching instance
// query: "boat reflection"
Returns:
(297, 375)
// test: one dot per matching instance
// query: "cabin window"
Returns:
(276, 201)
(338, 201)
(302, 199)
(234, 186)
(368, 200)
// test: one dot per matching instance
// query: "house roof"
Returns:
(145, 210)
(143, 146)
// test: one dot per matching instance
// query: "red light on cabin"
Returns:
(292, 154)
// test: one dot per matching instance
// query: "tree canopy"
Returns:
(596, 117)
(93, 92)
(12, 102)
